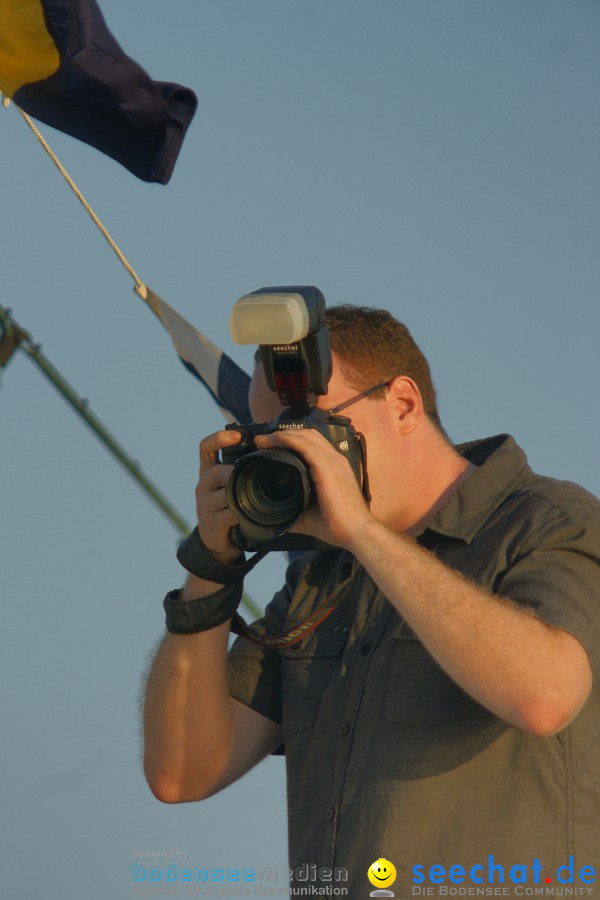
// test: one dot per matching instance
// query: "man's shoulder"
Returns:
(548, 512)
(504, 499)
(505, 468)
(562, 498)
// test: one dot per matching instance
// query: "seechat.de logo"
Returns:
(495, 873)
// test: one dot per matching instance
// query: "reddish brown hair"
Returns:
(373, 347)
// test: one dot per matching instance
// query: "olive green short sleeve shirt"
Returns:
(386, 756)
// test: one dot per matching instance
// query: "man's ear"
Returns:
(408, 403)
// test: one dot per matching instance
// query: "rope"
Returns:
(141, 290)
(138, 281)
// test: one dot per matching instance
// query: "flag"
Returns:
(227, 384)
(60, 63)
(225, 381)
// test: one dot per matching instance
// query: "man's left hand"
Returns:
(341, 507)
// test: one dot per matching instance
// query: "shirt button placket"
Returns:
(359, 662)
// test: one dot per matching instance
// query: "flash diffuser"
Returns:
(269, 319)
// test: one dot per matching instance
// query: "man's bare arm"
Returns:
(196, 739)
(531, 674)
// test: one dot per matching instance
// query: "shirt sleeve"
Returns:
(558, 577)
(254, 671)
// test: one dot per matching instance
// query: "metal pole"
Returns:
(16, 338)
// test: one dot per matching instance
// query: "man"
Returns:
(444, 716)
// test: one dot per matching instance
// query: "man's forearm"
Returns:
(531, 674)
(188, 715)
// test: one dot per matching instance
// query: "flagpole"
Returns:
(16, 338)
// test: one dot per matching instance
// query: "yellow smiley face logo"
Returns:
(382, 873)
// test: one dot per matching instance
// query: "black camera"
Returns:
(270, 490)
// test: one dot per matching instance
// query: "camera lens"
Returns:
(270, 493)
(270, 488)
(276, 483)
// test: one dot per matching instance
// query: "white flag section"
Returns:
(221, 376)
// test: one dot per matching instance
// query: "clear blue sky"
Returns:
(436, 157)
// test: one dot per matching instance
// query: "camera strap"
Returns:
(362, 446)
(196, 558)
(299, 631)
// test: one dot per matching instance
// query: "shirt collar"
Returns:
(501, 466)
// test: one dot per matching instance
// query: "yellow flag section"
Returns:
(27, 52)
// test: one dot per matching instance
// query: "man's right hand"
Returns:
(215, 519)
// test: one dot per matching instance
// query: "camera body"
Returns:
(270, 490)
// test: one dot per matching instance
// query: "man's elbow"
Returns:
(549, 707)
(164, 790)
(542, 723)
(545, 717)
(170, 789)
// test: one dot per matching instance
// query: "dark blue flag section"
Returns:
(61, 65)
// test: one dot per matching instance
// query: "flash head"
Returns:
(277, 315)
(288, 324)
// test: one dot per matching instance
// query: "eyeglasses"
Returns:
(361, 396)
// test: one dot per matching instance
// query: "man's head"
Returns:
(409, 457)
(369, 347)
(372, 347)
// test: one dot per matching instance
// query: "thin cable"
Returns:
(81, 198)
